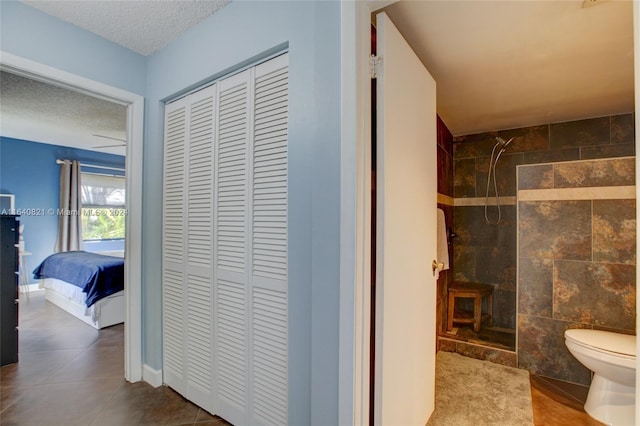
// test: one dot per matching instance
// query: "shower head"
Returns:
(502, 142)
(500, 146)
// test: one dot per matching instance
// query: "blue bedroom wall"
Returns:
(29, 171)
(28, 33)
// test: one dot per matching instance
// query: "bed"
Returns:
(90, 286)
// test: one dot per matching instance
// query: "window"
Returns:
(103, 208)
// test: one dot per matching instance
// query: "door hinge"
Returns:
(375, 66)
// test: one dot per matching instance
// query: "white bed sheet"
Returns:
(76, 296)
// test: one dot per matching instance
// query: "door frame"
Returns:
(355, 211)
(355, 199)
(636, 67)
(133, 171)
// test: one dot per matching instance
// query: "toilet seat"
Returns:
(604, 341)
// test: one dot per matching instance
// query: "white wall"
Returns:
(242, 32)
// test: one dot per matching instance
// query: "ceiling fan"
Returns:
(123, 142)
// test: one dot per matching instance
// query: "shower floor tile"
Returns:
(492, 337)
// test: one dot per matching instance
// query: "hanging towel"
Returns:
(443, 247)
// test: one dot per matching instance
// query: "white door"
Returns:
(187, 292)
(251, 255)
(406, 233)
(173, 247)
(225, 275)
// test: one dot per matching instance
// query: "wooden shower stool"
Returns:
(475, 291)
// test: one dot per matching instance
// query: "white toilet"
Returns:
(612, 358)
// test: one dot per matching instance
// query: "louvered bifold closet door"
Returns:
(188, 246)
(200, 244)
(225, 250)
(173, 247)
(251, 256)
(269, 255)
(232, 241)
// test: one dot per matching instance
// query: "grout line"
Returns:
(13, 402)
(41, 358)
(104, 402)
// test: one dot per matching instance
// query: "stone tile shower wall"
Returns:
(577, 257)
(445, 202)
(488, 253)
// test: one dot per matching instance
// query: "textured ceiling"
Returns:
(502, 64)
(498, 64)
(40, 112)
(142, 26)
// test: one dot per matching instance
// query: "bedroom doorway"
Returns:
(133, 169)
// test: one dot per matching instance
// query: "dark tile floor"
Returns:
(71, 374)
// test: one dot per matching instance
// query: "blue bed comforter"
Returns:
(97, 275)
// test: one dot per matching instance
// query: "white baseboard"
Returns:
(34, 287)
(151, 376)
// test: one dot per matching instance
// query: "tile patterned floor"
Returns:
(71, 374)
